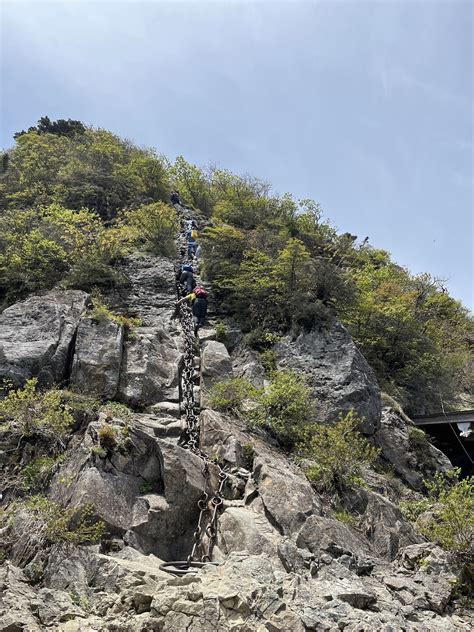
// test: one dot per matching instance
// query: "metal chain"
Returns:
(205, 534)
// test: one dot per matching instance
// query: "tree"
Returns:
(61, 127)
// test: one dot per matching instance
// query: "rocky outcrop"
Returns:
(285, 561)
(246, 363)
(216, 366)
(413, 459)
(336, 371)
(97, 358)
(37, 337)
(150, 292)
(150, 367)
(146, 490)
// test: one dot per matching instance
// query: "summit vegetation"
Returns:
(74, 201)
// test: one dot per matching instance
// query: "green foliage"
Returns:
(81, 168)
(101, 313)
(112, 438)
(118, 410)
(411, 331)
(221, 331)
(192, 184)
(60, 127)
(77, 525)
(146, 488)
(107, 437)
(346, 517)
(451, 524)
(269, 360)
(29, 412)
(39, 247)
(36, 475)
(155, 226)
(339, 452)
(284, 407)
(231, 395)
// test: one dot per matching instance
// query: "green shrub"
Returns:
(221, 331)
(155, 226)
(346, 517)
(107, 437)
(87, 274)
(339, 452)
(76, 524)
(261, 339)
(284, 408)
(230, 395)
(101, 313)
(36, 475)
(29, 412)
(117, 409)
(450, 521)
(112, 438)
(269, 359)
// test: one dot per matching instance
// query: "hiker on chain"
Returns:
(187, 278)
(198, 300)
(175, 198)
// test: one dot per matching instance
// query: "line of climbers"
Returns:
(193, 292)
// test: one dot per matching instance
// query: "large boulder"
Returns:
(97, 357)
(216, 366)
(287, 496)
(413, 460)
(37, 337)
(338, 374)
(146, 489)
(150, 367)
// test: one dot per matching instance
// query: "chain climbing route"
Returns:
(205, 533)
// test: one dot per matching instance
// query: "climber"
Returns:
(187, 279)
(191, 224)
(191, 246)
(198, 300)
(175, 198)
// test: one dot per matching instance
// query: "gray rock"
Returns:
(216, 366)
(244, 530)
(97, 357)
(338, 374)
(37, 337)
(327, 536)
(150, 293)
(150, 367)
(287, 496)
(146, 493)
(225, 438)
(247, 364)
(393, 438)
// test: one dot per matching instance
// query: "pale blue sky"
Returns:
(364, 106)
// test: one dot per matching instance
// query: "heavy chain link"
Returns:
(205, 534)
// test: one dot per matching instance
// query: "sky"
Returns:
(365, 107)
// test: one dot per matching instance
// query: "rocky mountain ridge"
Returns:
(285, 561)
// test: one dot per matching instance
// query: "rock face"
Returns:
(150, 292)
(150, 367)
(216, 366)
(412, 460)
(285, 560)
(246, 363)
(97, 357)
(146, 492)
(337, 372)
(37, 336)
